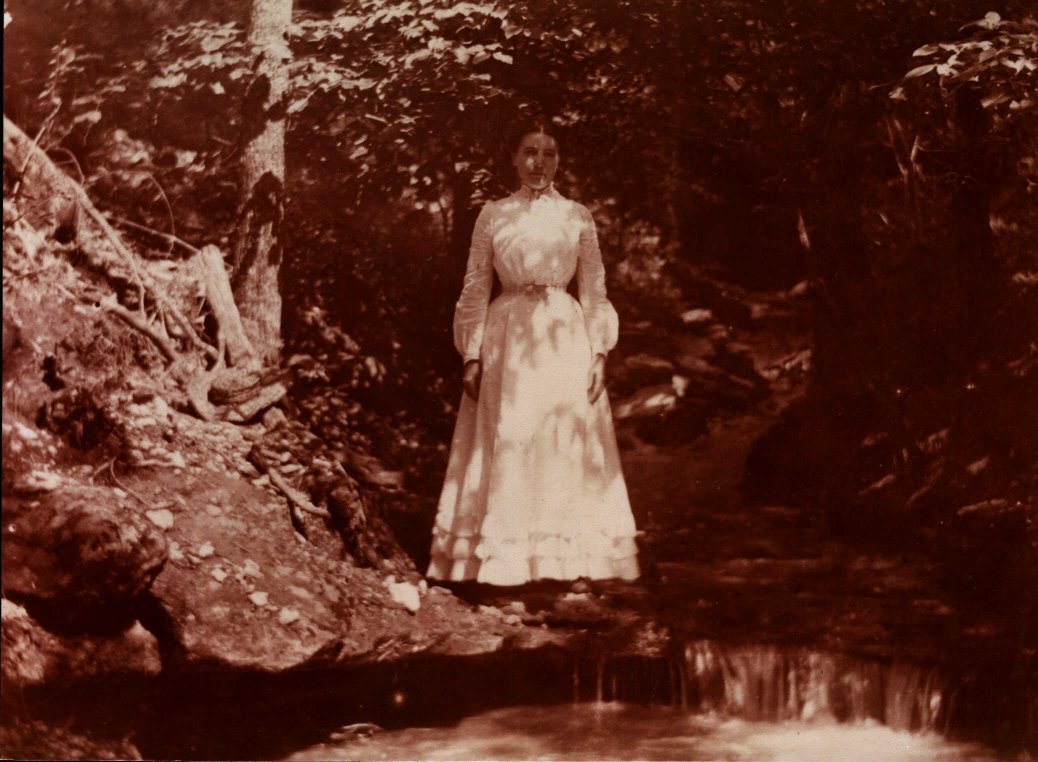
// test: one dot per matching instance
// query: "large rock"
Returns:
(32, 655)
(242, 589)
(78, 556)
(35, 739)
(638, 371)
(650, 402)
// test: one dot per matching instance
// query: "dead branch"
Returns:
(221, 302)
(167, 237)
(169, 209)
(295, 497)
(73, 161)
(194, 382)
(164, 345)
(22, 152)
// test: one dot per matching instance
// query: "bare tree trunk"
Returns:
(258, 249)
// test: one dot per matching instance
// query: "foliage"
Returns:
(700, 131)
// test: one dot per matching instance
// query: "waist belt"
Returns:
(532, 289)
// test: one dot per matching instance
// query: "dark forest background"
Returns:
(882, 154)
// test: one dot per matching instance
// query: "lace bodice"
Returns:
(534, 239)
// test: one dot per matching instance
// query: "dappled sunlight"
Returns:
(533, 486)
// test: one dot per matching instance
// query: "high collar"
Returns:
(528, 193)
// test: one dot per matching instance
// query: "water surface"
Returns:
(620, 731)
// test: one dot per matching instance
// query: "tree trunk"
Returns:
(258, 249)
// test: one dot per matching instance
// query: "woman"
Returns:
(534, 488)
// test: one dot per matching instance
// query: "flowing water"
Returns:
(711, 701)
(616, 730)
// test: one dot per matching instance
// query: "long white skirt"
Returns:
(534, 488)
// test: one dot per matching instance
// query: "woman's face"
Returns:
(536, 160)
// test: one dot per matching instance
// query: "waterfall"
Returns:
(773, 683)
(763, 682)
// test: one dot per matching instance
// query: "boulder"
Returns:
(652, 401)
(242, 588)
(40, 740)
(685, 423)
(639, 371)
(35, 656)
(79, 556)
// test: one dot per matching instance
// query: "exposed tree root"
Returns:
(49, 191)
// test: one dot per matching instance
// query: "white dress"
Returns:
(534, 488)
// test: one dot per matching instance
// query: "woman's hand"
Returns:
(470, 378)
(596, 378)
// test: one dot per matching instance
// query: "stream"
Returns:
(755, 634)
(616, 730)
(710, 701)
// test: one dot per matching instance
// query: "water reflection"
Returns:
(627, 731)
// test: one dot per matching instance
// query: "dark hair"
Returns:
(524, 126)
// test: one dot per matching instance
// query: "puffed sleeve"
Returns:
(470, 313)
(603, 324)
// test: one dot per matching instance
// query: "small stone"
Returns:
(274, 417)
(175, 553)
(581, 586)
(515, 607)
(247, 469)
(251, 569)
(423, 586)
(977, 466)
(205, 550)
(177, 460)
(288, 615)
(680, 384)
(43, 481)
(213, 510)
(162, 518)
(161, 408)
(259, 599)
(577, 598)
(692, 317)
(218, 574)
(513, 619)
(406, 595)
(25, 432)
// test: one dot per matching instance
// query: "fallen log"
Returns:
(221, 302)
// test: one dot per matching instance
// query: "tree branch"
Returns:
(164, 344)
(157, 233)
(295, 497)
